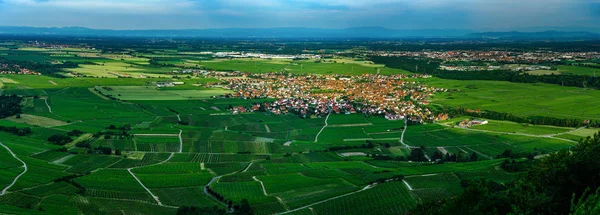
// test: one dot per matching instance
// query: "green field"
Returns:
(520, 99)
(149, 150)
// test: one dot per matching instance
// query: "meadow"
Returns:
(519, 99)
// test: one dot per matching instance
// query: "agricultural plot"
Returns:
(185, 196)
(434, 185)
(519, 99)
(511, 127)
(488, 144)
(87, 163)
(133, 93)
(296, 190)
(114, 180)
(170, 175)
(386, 198)
(493, 173)
(157, 143)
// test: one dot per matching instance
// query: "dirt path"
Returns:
(247, 167)
(326, 200)
(443, 150)
(317, 137)
(18, 176)
(49, 108)
(265, 192)
(180, 141)
(484, 155)
(144, 186)
(407, 185)
(267, 128)
(261, 184)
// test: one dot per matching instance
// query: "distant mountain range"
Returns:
(358, 32)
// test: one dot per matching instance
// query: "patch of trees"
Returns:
(508, 153)
(17, 131)
(200, 211)
(514, 166)
(560, 183)
(10, 105)
(41, 67)
(120, 132)
(242, 208)
(111, 97)
(103, 150)
(431, 67)
(63, 139)
(69, 179)
(60, 139)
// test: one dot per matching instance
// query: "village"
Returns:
(494, 56)
(392, 97)
(16, 69)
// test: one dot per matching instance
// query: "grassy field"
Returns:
(130, 93)
(519, 99)
(271, 160)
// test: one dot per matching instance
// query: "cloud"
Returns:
(400, 14)
(108, 6)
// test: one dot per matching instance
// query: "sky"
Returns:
(396, 14)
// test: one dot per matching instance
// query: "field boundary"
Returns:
(18, 176)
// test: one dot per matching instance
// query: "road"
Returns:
(326, 118)
(18, 176)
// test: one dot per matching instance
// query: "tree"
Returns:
(473, 157)
(200, 211)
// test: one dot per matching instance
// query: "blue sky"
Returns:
(398, 14)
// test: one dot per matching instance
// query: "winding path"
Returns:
(48, 105)
(180, 141)
(144, 186)
(326, 118)
(326, 200)
(18, 176)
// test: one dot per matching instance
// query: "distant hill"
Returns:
(536, 35)
(315, 33)
(358, 32)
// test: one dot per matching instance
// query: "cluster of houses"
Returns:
(263, 56)
(16, 69)
(494, 56)
(393, 96)
(491, 68)
(161, 84)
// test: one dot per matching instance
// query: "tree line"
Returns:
(10, 105)
(431, 67)
(41, 67)
(562, 183)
